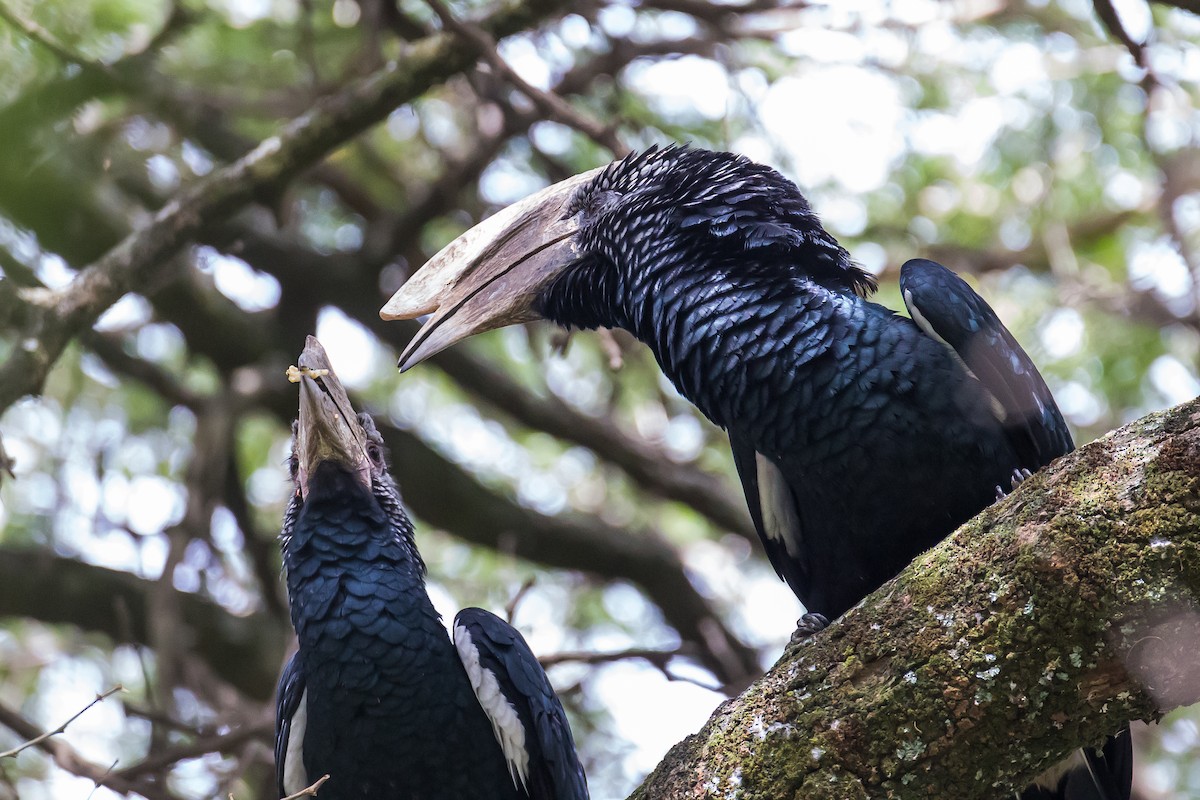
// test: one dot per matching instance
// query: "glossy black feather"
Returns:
(863, 413)
(756, 314)
(390, 710)
(554, 770)
(885, 438)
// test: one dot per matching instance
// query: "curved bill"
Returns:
(489, 277)
(327, 428)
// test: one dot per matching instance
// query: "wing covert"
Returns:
(526, 715)
(946, 308)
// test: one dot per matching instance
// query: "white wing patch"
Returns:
(780, 522)
(295, 778)
(506, 725)
(998, 409)
(923, 323)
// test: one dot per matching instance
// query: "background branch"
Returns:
(551, 104)
(68, 758)
(246, 651)
(40, 738)
(260, 173)
(1077, 208)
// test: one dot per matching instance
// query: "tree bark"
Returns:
(1041, 625)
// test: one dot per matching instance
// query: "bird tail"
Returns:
(1105, 774)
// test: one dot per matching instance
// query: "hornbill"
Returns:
(377, 696)
(861, 437)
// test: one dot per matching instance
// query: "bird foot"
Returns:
(809, 625)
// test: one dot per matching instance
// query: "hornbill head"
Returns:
(327, 430)
(694, 209)
(338, 462)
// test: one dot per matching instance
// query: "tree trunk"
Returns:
(1041, 625)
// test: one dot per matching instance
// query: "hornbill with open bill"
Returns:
(378, 697)
(861, 437)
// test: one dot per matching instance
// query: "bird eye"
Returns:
(375, 453)
(602, 202)
(591, 203)
(577, 202)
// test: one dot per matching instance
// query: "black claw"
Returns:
(1020, 475)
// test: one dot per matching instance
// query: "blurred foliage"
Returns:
(1017, 141)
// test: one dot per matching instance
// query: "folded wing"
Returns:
(526, 715)
(946, 308)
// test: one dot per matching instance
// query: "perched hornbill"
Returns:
(861, 437)
(377, 696)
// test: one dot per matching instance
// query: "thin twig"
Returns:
(1112, 22)
(658, 658)
(69, 759)
(310, 791)
(153, 715)
(510, 610)
(37, 740)
(165, 383)
(107, 772)
(1153, 86)
(554, 106)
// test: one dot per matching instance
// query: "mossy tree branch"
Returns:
(1043, 624)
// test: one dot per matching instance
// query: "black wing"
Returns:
(526, 715)
(290, 719)
(949, 310)
(775, 513)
